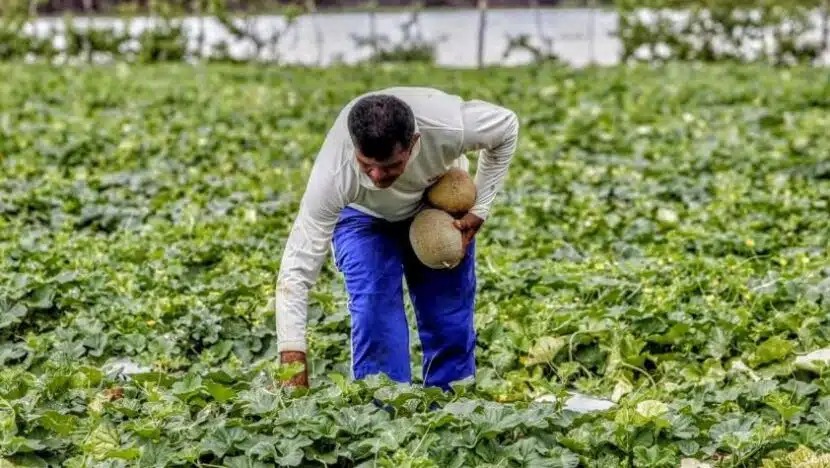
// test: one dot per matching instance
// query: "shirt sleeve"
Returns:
(327, 192)
(494, 131)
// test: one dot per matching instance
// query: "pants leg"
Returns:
(444, 303)
(368, 253)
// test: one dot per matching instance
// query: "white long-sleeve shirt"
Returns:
(449, 127)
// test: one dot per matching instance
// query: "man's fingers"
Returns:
(463, 223)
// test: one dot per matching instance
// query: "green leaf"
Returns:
(545, 349)
(291, 450)
(63, 424)
(220, 392)
(652, 409)
(11, 314)
(773, 349)
(189, 386)
(223, 440)
(243, 461)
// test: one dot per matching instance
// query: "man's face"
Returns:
(384, 173)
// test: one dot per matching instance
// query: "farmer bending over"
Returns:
(366, 185)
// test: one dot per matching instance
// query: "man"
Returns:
(384, 149)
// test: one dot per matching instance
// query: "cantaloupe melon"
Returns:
(435, 241)
(454, 192)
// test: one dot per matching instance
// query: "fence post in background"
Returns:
(199, 8)
(545, 49)
(592, 31)
(482, 26)
(311, 8)
(825, 24)
(373, 26)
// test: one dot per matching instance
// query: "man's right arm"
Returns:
(327, 192)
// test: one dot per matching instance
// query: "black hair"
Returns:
(378, 123)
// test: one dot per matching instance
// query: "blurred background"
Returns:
(457, 33)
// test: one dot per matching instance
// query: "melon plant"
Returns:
(660, 243)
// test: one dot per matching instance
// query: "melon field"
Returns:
(660, 243)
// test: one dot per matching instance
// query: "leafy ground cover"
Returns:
(661, 242)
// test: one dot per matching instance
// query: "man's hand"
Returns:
(469, 226)
(300, 379)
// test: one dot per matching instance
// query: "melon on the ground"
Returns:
(435, 241)
(454, 192)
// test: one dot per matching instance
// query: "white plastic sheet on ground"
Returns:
(692, 463)
(814, 360)
(123, 368)
(579, 402)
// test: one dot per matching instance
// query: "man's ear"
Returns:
(415, 139)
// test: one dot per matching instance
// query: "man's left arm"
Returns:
(494, 131)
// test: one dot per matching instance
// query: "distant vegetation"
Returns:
(709, 31)
(51, 7)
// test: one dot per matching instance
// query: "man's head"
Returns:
(383, 130)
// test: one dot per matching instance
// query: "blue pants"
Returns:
(375, 257)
